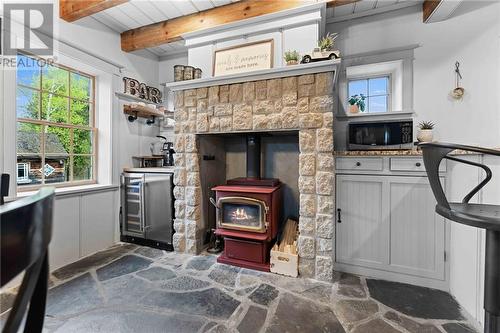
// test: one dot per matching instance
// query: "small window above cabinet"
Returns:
(376, 90)
(376, 84)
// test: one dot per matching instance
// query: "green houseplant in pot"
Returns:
(326, 43)
(291, 57)
(357, 103)
(425, 133)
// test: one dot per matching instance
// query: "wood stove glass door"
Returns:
(242, 213)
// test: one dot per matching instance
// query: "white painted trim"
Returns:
(259, 24)
(393, 276)
(273, 73)
(70, 191)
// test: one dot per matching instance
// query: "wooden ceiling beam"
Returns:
(428, 7)
(72, 10)
(172, 30)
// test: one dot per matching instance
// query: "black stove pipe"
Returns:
(253, 156)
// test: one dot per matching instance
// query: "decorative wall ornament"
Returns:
(244, 58)
(324, 51)
(141, 90)
(458, 92)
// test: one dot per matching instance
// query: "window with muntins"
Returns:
(376, 91)
(56, 133)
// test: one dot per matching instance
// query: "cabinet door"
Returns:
(362, 235)
(417, 233)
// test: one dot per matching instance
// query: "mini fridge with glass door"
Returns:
(146, 212)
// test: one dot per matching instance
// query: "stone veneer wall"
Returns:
(303, 103)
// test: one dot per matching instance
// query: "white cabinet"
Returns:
(388, 229)
(362, 230)
(416, 230)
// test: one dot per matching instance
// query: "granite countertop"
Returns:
(403, 152)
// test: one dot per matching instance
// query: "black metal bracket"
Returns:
(132, 118)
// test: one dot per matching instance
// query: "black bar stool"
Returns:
(476, 215)
(26, 230)
(4, 187)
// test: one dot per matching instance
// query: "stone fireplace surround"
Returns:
(298, 102)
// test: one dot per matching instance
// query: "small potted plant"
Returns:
(357, 103)
(425, 131)
(291, 57)
(326, 43)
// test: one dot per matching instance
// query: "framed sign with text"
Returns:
(244, 58)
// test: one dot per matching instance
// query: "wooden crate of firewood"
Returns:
(284, 256)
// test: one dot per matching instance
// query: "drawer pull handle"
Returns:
(358, 163)
(338, 215)
(418, 164)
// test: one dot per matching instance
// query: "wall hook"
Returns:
(150, 121)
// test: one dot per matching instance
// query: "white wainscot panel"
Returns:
(64, 247)
(98, 213)
(464, 240)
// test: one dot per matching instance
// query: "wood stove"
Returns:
(248, 214)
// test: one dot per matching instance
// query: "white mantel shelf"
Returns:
(273, 73)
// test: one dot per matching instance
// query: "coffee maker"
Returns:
(167, 151)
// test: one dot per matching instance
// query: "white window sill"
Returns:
(72, 190)
(374, 115)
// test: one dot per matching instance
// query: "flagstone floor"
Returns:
(128, 288)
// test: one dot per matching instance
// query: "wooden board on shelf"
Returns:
(142, 111)
(154, 157)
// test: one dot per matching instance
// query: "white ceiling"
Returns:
(365, 8)
(137, 13)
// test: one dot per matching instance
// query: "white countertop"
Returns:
(169, 169)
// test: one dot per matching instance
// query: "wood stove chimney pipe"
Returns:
(253, 156)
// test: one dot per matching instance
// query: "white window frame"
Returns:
(108, 77)
(45, 123)
(26, 178)
(397, 62)
(371, 77)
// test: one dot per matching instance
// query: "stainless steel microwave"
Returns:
(375, 135)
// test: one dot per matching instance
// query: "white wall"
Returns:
(470, 36)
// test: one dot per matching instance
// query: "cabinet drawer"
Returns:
(359, 163)
(411, 164)
(244, 250)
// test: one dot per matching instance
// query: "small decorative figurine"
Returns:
(324, 51)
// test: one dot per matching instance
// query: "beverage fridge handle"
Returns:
(142, 200)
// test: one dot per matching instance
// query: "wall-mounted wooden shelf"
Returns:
(142, 111)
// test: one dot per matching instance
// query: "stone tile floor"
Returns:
(128, 288)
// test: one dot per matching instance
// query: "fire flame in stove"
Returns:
(240, 214)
